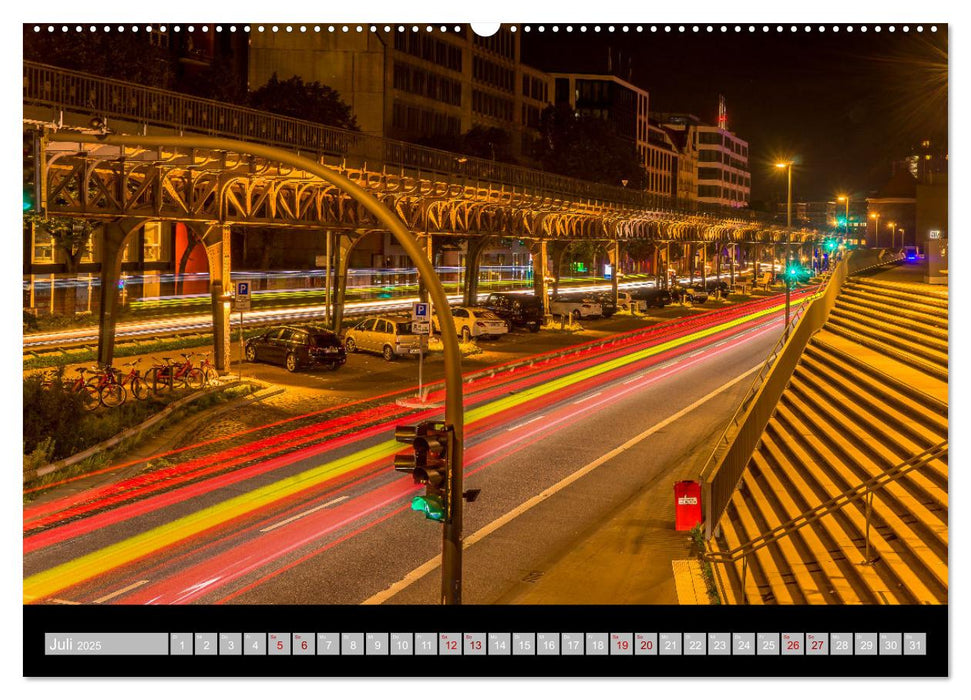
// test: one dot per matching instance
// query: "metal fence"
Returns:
(71, 91)
(734, 448)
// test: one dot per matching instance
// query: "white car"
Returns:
(577, 308)
(474, 322)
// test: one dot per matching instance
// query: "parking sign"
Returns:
(419, 311)
(241, 299)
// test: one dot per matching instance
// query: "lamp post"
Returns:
(788, 166)
(876, 217)
(893, 232)
(846, 221)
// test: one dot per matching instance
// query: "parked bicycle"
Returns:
(209, 372)
(134, 383)
(90, 396)
(106, 380)
(168, 374)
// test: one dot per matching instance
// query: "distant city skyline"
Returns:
(846, 104)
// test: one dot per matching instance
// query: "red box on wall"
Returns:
(687, 505)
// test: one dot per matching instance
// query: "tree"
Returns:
(588, 148)
(121, 55)
(488, 143)
(309, 101)
(71, 236)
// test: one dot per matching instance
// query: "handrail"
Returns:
(835, 503)
(731, 453)
(63, 89)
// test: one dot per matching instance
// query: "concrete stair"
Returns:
(844, 418)
(907, 322)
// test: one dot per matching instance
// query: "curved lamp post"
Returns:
(454, 414)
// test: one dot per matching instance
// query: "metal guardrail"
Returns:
(65, 90)
(863, 491)
(735, 446)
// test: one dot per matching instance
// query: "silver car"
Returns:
(389, 336)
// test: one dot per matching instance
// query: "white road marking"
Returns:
(587, 398)
(61, 601)
(305, 513)
(480, 534)
(520, 425)
(121, 591)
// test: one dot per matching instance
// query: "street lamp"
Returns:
(893, 231)
(846, 224)
(876, 217)
(788, 166)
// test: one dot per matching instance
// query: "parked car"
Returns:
(628, 303)
(474, 322)
(606, 300)
(297, 346)
(693, 294)
(608, 304)
(524, 310)
(652, 296)
(389, 336)
(716, 285)
(585, 307)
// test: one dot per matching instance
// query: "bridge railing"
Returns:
(735, 446)
(64, 90)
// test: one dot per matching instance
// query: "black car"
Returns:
(716, 285)
(297, 346)
(652, 296)
(606, 300)
(522, 310)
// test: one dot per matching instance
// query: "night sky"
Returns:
(844, 104)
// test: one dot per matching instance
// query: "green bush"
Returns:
(56, 424)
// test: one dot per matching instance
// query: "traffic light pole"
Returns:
(454, 411)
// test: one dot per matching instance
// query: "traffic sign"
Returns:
(241, 300)
(421, 327)
(419, 311)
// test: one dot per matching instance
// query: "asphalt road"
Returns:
(331, 524)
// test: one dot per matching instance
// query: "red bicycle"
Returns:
(107, 382)
(135, 384)
(90, 396)
(175, 375)
(209, 372)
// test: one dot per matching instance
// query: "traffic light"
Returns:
(30, 172)
(428, 464)
(831, 245)
(33, 170)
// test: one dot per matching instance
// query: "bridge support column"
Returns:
(342, 255)
(704, 263)
(217, 241)
(427, 242)
(656, 266)
(473, 260)
(758, 260)
(613, 253)
(667, 266)
(540, 262)
(112, 247)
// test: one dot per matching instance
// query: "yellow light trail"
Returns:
(88, 566)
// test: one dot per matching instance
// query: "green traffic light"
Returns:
(432, 506)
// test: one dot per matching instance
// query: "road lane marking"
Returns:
(87, 566)
(120, 591)
(274, 526)
(487, 530)
(524, 423)
(587, 398)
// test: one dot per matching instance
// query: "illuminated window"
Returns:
(43, 246)
(153, 241)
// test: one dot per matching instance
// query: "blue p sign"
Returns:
(242, 289)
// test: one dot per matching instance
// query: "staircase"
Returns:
(904, 321)
(868, 393)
